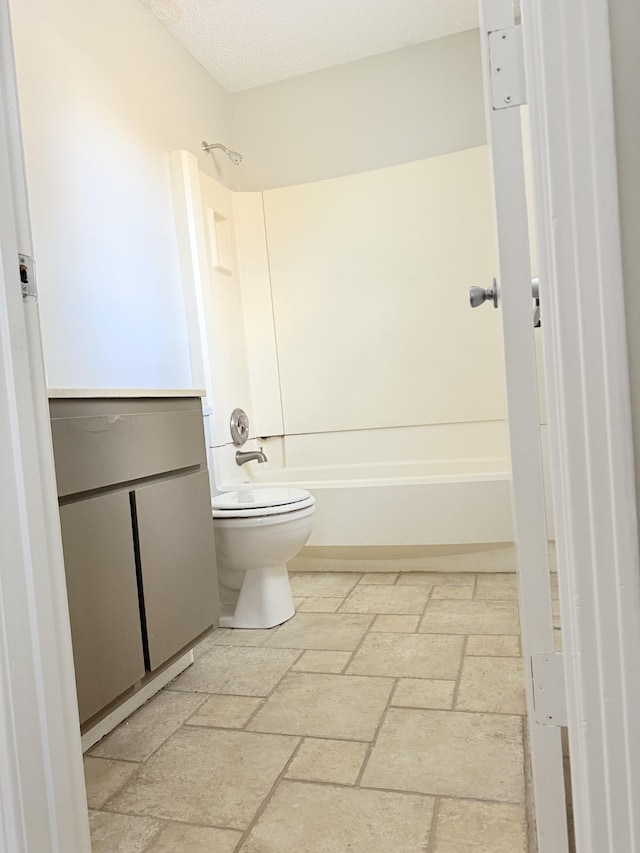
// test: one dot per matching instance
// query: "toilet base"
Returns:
(264, 601)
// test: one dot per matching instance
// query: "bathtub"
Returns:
(443, 502)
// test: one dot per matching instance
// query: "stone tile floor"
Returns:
(385, 717)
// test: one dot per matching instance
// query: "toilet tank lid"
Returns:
(258, 498)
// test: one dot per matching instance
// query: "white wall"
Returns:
(370, 276)
(406, 105)
(106, 92)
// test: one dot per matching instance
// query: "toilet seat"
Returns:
(250, 503)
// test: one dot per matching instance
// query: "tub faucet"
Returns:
(243, 456)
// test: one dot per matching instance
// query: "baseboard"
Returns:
(481, 557)
(136, 700)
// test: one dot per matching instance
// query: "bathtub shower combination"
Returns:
(264, 516)
(456, 501)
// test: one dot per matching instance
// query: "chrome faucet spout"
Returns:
(243, 456)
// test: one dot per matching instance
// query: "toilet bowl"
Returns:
(256, 532)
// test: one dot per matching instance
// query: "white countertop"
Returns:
(124, 392)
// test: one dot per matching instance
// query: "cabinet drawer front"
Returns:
(92, 452)
(177, 559)
(103, 599)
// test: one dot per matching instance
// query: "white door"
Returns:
(42, 799)
(504, 94)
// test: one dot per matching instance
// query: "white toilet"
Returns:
(257, 531)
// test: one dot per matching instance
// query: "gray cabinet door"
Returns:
(103, 599)
(178, 563)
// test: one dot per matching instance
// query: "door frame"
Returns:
(43, 804)
(570, 95)
(571, 98)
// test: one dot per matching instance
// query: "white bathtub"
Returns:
(445, 502)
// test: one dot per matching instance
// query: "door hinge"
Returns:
(28, 277)
(549, 695)
(506, 68)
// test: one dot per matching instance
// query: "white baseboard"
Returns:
(118, 715)
(496, 557)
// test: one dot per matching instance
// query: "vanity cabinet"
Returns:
(102, 589)
(176, 540)
(137, 536)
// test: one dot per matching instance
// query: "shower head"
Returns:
(235, 158)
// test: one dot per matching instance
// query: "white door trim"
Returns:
(42, 798)
(568, 66)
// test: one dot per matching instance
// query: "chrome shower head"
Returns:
(235, 158)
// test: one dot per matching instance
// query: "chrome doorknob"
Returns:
(480, 295)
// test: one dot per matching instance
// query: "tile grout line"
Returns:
(357, 674)
(456, 689)
(424, 609)
(384, 712)
(273, 689)
(267, 799)
(372, 619)
(152, 841)
(372, 743)
(434, 826)
(405, 792)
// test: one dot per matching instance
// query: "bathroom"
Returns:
(164, 267)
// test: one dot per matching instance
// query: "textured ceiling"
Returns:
(247, 43)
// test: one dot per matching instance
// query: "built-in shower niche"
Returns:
(221, 246)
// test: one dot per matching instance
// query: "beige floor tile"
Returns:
(336, 761)
(324, 583)
(207, 776)
(318, 705)
(182, 838)
(471, 617)
(396, 624)
(456, 592)
(119, 833)
(328, 631)
(464, 826)
(408, 656)
(498, 586)
(557, 639)
(317, 604)
(225, 712)
(493, 685)
(323, 819)
(144, 731)
(386, 599)
(436, 579)
(315, 661)
(103, 777)
(555, 608)
(242, 672)
(494, 646)
(424, 693)
(450, 753)
(243, 636)
(554, 586)
(208, 643)
(379, 578)
(297, 601)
